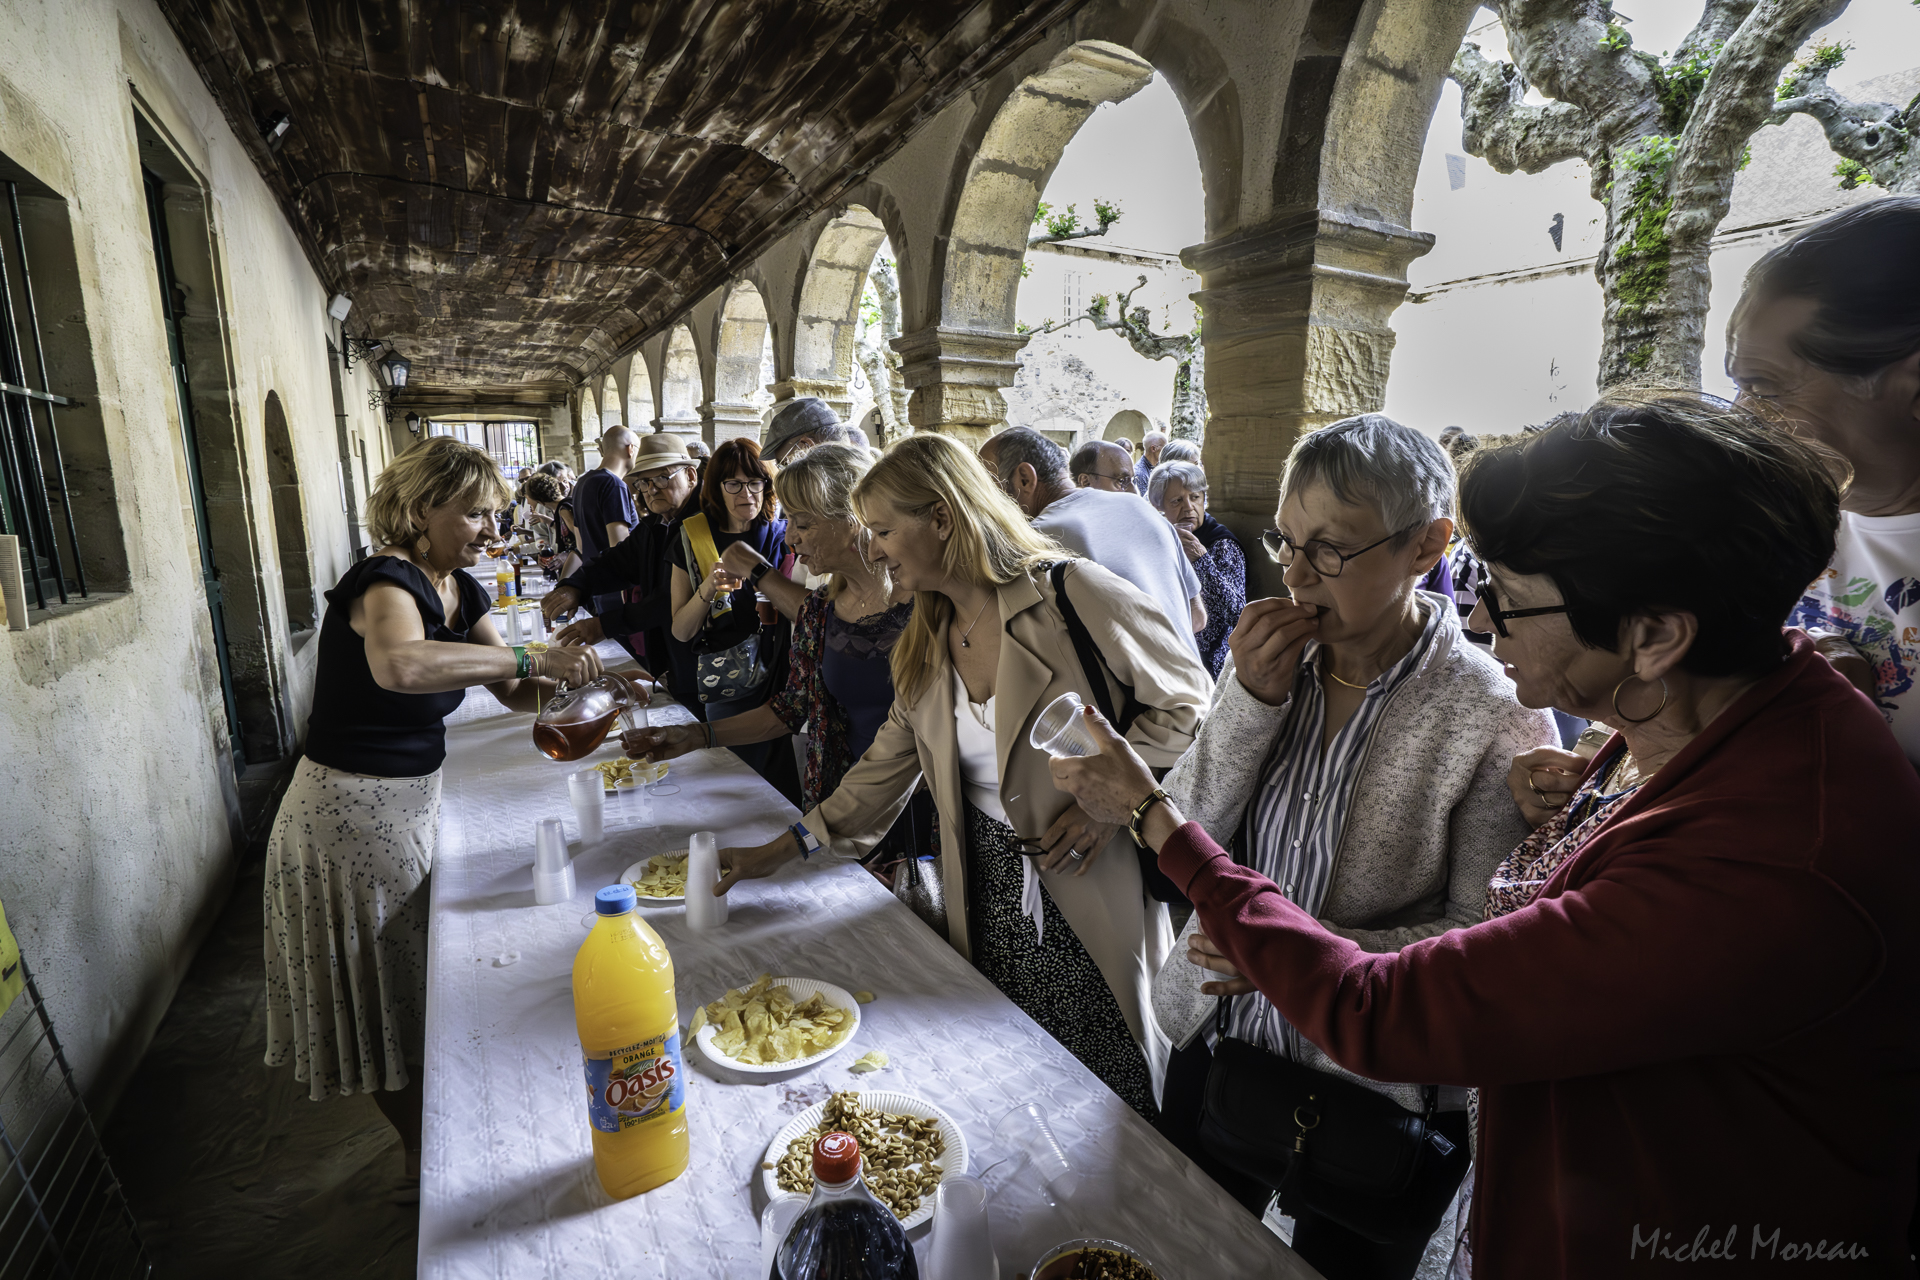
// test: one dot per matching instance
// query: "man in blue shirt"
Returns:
(603, 510)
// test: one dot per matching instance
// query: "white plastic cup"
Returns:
(1061, 729)
(552, 869)
(588, 791)
(704, 910)
(513, 621)
(536, 624)
(961, 1247)
(775, 1221)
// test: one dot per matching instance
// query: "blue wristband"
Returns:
(805, 837)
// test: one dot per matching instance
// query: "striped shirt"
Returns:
(1292, 827)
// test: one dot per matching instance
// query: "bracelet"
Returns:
(800, 833)
(711, 743)
(1156, 796)
(522, 661)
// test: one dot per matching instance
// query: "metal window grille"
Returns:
(34, 467)
(512, 444)
(63, 1215)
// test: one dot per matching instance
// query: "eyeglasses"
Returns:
(743, 486)
(1327, 560)
(1101, 475)
(1499, 616)
(660, 481)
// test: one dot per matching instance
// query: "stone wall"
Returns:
(119, 830)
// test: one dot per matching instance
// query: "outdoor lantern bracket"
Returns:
(352, 349)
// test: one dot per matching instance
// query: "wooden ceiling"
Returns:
(519, 191)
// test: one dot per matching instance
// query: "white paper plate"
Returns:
(952, 1164)
(801, 988)
(639, 869)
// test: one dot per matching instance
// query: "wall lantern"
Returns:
(413, 423)
(397, 369)
(275, 130)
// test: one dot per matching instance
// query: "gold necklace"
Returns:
(1350, 684)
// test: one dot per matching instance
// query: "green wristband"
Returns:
(523, 662)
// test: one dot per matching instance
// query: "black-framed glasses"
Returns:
(1499, 616)
(743, 486)
(1327, 560)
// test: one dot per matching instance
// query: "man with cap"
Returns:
(796, 427)
(662, 477)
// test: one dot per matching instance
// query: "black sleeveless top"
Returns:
(356, 725)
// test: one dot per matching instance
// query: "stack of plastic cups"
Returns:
(512, 604)
(704, 910)
(588, 791)
(552, 868)
(962, 1243)
(775, 1222)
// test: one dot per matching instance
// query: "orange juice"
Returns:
(629, 1029)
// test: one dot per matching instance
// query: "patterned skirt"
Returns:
(345, 914)
(1056, 983)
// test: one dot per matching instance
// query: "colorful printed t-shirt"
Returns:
(1871, 595)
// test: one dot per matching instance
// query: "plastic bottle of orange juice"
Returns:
(630, 1037)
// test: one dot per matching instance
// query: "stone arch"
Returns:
(680, 383)
(289, 517)
(987, 239)
(639, 400)
(613, 406)
(589, 415)
(1130, 423)
(829, 309)
(740, 340)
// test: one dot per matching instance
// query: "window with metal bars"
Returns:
(512, 444)
(38, 507)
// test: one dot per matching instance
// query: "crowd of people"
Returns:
(1555, 823)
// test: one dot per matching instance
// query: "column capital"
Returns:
(955, 376)
(832, 390)
(731, 420)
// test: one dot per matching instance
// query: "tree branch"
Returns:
(1500, 127)
(1879, 136)
(1716, 26)
(1737, 100)
(1564, 49)
(1132, 323)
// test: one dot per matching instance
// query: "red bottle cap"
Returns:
(836, 1157)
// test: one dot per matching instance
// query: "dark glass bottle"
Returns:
(845, 1232)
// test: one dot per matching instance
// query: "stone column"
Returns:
(721, 421)
(833, 390)
(955, 376)
(1295, 322)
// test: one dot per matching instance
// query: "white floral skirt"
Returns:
(345, 916)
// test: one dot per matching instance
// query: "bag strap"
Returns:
(699, 535)
(1092, 662)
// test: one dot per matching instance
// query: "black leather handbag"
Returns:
(1094, 666)
(1328, 1145)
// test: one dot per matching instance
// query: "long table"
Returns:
(507, 1185)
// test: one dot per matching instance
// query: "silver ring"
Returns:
(1075, 854)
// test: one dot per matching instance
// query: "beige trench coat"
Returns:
(1125, 931)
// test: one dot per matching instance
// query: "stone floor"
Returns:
(231, 1171)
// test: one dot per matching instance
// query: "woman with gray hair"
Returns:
(1356, 752)
(1179, 491)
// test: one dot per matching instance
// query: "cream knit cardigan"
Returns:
(1431, 816)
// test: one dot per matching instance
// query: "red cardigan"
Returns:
(1702, 1041)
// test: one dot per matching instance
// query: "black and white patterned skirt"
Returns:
(1056, 983)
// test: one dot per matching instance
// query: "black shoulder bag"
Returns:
(1328, 1145)
(1094, 666)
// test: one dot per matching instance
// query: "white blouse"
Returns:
(980, 781)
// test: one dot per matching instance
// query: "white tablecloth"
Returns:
(507, 1187)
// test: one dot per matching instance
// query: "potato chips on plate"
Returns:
(661, 878)
(777, 1024)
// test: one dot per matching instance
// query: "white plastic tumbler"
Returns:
(588, 791)
(1061, 729)
(513, 620)
(1026, 1133)
(704, 910)
(552, 868)
(962, 1244)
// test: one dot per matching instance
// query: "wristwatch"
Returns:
(809, 845)
(753, 579)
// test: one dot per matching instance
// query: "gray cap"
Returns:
(799, 417)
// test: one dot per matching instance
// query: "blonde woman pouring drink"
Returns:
(1044, 901)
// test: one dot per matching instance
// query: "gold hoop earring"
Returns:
(1643, 719)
